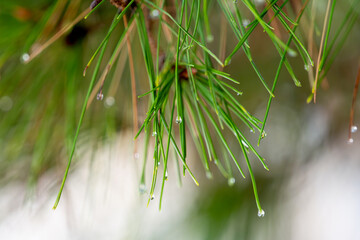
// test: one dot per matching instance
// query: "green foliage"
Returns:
(189, 90)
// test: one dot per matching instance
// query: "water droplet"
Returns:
(306, 67)
(244, 143)
(178, 120)
(210, 38)
(263, 134)
(259, 2)
(154, 134)
(110, 101)
(142, 188)
(152, 197)
(158, 163)
(25, 58)
(137, 155)
(245, 22)
(100, 96)
(166, 175)
(350, 140)
(238, 94)
(154, 14)
(261, 213)
(209, 175)
(6, 103)
(231, 181)
(228, 62)
(252, 131)
(354, 129)
(292, 53)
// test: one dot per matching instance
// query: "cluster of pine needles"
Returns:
(189, 92)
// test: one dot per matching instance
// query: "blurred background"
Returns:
(312, 190)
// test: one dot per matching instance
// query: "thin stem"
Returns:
(320, 50)
(352, 111)
(133, 84)
(57, 35)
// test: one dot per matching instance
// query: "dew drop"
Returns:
(263, 134)
(245, 22)
(25, 58)
(229, 62)
(154, 134)
(6, 103)
(252, 131)
(350, 141)
(152, 197)
(261, 213)
(292, 53)
(231, 181)
(244, 143)
(259, 2)
(306, 67)
(158, 163)
(142, 188)
(154, 14)
(166, 175)
(354, 129)
(110, 101)
(209, 175)
(178, 120)
(210, 38)
(100, 96)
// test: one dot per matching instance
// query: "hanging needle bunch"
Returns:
(191, 98)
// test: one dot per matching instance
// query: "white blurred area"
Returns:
(320, 199)
(324, 195)
(101, 202)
